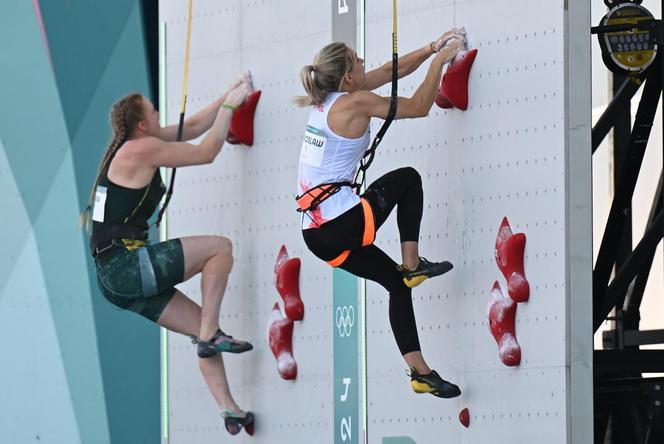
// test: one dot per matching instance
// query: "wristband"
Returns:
(229, 106)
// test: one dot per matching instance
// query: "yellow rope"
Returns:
(394, 27)
(183, 105)
(186, 62)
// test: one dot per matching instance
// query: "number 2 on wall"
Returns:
(346, 429)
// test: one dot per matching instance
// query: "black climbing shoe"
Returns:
(424, 271)
(235, 421)
(434, 384)
(221, 342)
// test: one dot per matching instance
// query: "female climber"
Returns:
(140, 276)
(339, 226)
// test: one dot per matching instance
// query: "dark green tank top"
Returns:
(120, 205)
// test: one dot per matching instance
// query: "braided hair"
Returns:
(125, 116)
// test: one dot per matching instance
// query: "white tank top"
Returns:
(327, 157)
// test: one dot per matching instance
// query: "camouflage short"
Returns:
(141, 279)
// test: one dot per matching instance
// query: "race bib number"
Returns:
(100, 204)
(313, 146)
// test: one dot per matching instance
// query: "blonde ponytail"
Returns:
(325, 75)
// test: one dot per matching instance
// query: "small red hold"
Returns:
(501, 312)
(287, 281)
(464, 417)
(509, 257)
(242, 123)
(249, 428)
(453, 91)
(280, 337)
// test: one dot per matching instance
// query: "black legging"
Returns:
(403, 188)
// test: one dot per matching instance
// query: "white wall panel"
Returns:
(247, 195)
(504, 156)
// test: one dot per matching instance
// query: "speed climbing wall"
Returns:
(246, 195)
(520, 151)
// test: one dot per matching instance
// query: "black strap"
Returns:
(368, 157)
(105, 233)
(329, 190)
(169, 193)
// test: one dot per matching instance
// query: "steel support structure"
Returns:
(628, 406)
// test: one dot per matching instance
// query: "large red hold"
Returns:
(287, 281)
(502, 313)
(242, 123)
(509, 257)
(453, 91)
(280, 337)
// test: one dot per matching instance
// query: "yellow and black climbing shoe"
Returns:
(424, 271)
(434, 384)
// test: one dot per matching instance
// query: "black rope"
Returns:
(169, 193)
(368, 157)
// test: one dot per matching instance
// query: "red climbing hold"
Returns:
(464, 417)
(249, 428)
(242, 123)
(280, 337)
(287, 281)
(453, 90)
(509, 257)
(502, 312)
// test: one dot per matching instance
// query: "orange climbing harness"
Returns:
(367, 238)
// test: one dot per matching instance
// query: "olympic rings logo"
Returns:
(345, 319)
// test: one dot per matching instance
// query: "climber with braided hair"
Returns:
(140, 276)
